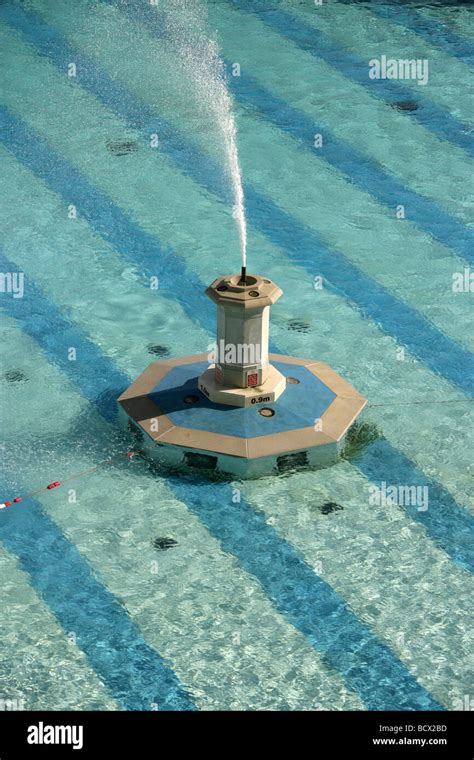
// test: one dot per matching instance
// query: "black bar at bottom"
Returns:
(368, 734)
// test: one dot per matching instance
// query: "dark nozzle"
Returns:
(243, 276)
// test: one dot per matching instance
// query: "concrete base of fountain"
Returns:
(181, 426)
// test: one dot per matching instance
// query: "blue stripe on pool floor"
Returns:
(449, 526)
(43, 321)
(364, 172)
(432, 31)
(410, 328)
(135, 674)
(111, 222)
(431, 116)
(368, 666)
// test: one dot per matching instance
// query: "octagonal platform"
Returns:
(306, 425)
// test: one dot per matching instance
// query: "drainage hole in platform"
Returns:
(200, 461)
(288, 462)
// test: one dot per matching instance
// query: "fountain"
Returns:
(240, 411)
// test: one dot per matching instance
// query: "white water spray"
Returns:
(199, 60)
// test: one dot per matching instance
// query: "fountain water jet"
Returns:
(200, 62)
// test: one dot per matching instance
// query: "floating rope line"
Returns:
(129, 454)
(74, 476)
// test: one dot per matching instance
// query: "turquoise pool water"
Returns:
(299, 591)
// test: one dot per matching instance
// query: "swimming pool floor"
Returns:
(134, 588)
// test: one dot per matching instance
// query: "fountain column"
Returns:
(241, 374)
